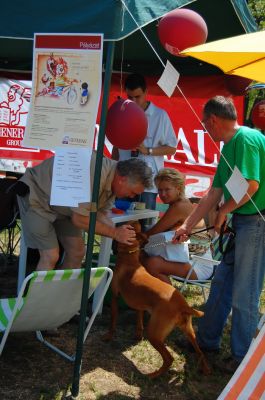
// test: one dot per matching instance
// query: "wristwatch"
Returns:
(150, 151)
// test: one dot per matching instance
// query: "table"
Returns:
(106, 242)
(105, 247)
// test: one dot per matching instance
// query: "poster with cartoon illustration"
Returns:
(67, 71)
(14, 107)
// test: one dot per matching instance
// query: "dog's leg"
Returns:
(114, 316)
(187, 328)
(158, 329)
(139, 325)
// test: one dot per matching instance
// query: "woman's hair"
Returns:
(173, 176)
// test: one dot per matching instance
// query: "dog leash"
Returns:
(224, 229)
(165, 242)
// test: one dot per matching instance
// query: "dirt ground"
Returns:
(113, 371)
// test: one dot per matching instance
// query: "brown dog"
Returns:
(144, 292)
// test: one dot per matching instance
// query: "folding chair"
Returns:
(203, 284)
(48, 299)
(248, 381)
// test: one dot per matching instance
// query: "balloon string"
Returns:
(122, 57)
(187, 101)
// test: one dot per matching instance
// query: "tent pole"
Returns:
(92, 222)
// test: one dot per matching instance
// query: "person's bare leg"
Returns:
(48, 259)
(161, 268)
(74, 251)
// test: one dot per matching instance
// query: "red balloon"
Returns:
(258, 115)
(180, 29)
(126, 125)
(237, 84)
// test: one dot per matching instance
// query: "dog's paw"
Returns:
(165, 367)
(206, 370)
(155, 374)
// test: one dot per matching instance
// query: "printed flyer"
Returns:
(67, 71)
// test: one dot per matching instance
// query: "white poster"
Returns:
(237, 185)
(67, 71)
(71, 177)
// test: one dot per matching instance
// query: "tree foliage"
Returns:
(257, 8)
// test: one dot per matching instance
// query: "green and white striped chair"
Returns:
(48, 299)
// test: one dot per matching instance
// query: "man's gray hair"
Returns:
(137, 171)
(222, 107)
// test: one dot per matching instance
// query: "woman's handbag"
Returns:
(161, 245)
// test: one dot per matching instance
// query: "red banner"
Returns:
(196, 155)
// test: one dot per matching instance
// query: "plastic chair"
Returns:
(248, 380)
(48, 299)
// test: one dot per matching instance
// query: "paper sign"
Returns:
(67, 74)
(71, 177)
(169, 79)
(237, 185)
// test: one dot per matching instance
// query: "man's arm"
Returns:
(157, 151)
(105, 227)
(211, 199)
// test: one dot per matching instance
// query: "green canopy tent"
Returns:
(224, 18)
(21, 19)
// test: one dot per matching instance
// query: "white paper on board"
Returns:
(237, 185)
(169, 79)
(71, 177)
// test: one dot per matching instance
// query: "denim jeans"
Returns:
(149, 199)
(237, 284)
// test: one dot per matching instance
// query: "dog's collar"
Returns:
(134, 250)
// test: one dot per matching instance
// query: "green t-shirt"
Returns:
(246, 150)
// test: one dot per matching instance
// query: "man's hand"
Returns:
(142, 149)
(220, 219)
(181, 234)
(125, 234)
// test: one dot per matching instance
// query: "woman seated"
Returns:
(171, 190)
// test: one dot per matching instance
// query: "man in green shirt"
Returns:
(238, 280)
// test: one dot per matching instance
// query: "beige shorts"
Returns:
(40, 233)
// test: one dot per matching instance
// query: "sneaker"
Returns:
(228, 365)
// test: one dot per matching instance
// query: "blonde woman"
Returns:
(171, 189)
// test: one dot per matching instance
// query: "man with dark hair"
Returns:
(159, 142)
(239, 278)
(43, 224)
